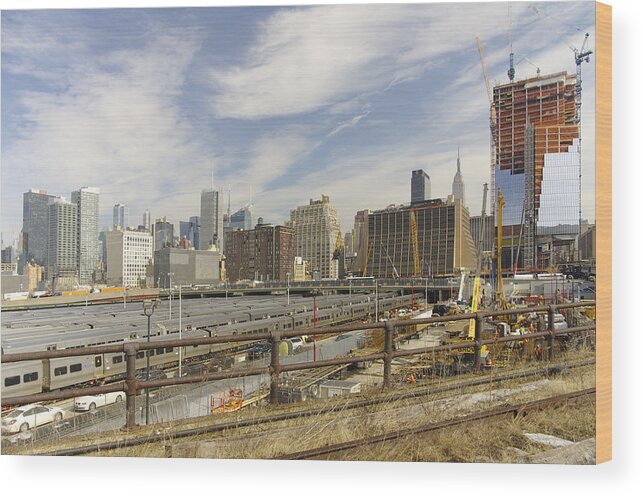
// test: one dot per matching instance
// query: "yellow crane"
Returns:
(475, 297)
(500, 293)
(414, 241)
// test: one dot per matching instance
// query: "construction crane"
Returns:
(475, 297)
(512, 71)
(414, 241)
(396, 274)
(580, 56)
(489, 93)
(500, 294)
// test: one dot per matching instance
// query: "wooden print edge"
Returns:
(603, 232)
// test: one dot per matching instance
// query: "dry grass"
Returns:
(486, 440)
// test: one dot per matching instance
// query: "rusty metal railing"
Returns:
(131, 385)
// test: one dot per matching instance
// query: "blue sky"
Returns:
(278, 104)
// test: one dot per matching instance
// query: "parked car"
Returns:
(29, 417)
(297, 343)
(259, 350)
(91, 402)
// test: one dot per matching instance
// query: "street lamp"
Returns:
(148, 309)
(288, 286)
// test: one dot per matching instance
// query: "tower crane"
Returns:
(414, 241)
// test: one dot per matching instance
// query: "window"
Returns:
(30, 377)
(150, 353)
(76, 367)
(160, 351)
(140, 354)
(12, 381)
(60, 371)
(117, 359)
(169, 350)
(98, 361)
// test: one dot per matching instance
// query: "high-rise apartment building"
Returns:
(537, 163)
(121, 216)
(420, 186)
(128, 254)
(211, 219)
(86, 200)
(62, 244)
(35, 226)
(444, 240)
(316, 229)
(264, 253)
(458, 184)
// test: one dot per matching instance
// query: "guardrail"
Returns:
(131, 386)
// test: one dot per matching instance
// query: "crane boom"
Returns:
(414, 241)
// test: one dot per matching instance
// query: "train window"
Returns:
(76, 367)
(150, 353)
(160, 351)
(140, 354)
(12, 381)
(169, 350)
(195, 346)
(32, 376)
(60, 371)
(117, 359)
(98, 361)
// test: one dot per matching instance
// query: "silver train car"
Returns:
(33, 377)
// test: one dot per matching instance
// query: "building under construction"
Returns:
(537, 167)
(426, 238)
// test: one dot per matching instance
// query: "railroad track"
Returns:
(237, 424)
(515, 410)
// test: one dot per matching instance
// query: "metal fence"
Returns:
(131, 386)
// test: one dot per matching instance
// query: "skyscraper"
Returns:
(537, 163)
(316, 230)
(35, 225)
(458, 184)
(211, 219)
(128, 254)
(420, 186)
(244, 218)
(86, 200)
(62, 246)
(190, 230)
(121, 216)
(147, 220)
(163, 234)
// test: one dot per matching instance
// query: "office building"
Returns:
(190, 230)
(443, 240)
(128, 253)
(86, 200)
(316, 229)
(420, 186)
(360, 238)
(457, 189)
(163, 233)
(35, 226)
(264, 253)
(62, 243)
(9, 254)
(537, 166)
(299, 270)
(244, 218)
(488, 236)
(211, 233)
(147, 220)
(176, 266)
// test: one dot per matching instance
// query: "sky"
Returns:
(276, 104)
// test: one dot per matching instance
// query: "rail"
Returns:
(131, 386)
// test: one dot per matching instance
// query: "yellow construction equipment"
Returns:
(414, 241)
(501, 302)
(475, 297)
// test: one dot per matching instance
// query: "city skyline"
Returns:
(128, 109)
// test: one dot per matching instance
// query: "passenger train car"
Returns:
(32, 377)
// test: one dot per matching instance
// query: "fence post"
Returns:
(478, 335)
(550, 327)
(130, 403)
(275, 367)
(389, 329)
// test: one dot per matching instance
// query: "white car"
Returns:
(297, 343)
(30, 416)
(90, 403)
